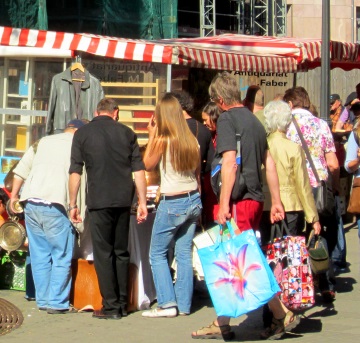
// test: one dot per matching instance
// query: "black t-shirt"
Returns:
(253, 146)
(203, 135)
(110, 152)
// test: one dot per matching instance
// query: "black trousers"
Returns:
(109, 229)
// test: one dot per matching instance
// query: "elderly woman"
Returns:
(295, 189)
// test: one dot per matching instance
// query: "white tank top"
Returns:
(174, 182)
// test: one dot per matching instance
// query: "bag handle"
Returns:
(220, 236)
(231, 229)
(278, 231)
(312, 238)
(306, 149)
(238, 145)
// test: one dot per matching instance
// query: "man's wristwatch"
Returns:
(70, 208)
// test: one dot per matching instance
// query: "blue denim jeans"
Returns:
(51, 242)
(175, 221)
(339, 252)
(30, 287)
(358, 223)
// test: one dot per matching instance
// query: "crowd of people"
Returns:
(280, 183)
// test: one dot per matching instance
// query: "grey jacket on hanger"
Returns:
(62, 102)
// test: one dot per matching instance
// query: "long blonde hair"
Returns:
(173, 131)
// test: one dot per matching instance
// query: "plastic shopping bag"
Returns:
(237, 274)
(207, 238)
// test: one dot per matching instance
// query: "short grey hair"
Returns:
(277, 116)
(224, 85)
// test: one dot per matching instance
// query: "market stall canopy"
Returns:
(223, 52)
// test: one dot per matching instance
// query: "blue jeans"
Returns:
(339, 252)
(358, 223)
(30, 287)
(175, 220)
(51, 243)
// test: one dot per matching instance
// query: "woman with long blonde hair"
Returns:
(174, 148)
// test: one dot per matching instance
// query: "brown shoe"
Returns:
(214, 332)
(101, 315)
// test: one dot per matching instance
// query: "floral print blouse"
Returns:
(319, 139)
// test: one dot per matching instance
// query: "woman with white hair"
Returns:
(295, 190)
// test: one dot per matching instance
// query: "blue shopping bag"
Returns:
(237, 274)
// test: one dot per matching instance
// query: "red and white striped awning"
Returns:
(267, 53)
(223, 52)
(137, 50)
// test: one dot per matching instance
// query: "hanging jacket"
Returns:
(62, 102)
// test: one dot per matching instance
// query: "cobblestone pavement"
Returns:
(338, 322)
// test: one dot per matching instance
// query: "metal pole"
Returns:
(352, 22)
(325, 61)
(168, 77)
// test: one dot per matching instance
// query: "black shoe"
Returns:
(101, 315)
(123, 311)
(328, 296)
(29, 298)
(340, 264)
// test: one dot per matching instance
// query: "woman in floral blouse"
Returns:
(320, 142)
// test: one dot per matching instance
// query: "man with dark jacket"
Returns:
(110, 152)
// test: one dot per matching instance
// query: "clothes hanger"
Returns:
(77, 65)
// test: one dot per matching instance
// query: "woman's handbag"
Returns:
(324, 198)
(318, 252)
(239, 187)
(354, 201)
(237, 275)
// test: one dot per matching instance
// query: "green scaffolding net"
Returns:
(24, 13)
(147, 19)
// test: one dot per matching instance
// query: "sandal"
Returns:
(279, 327)
(291, 321)
(214, 332)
